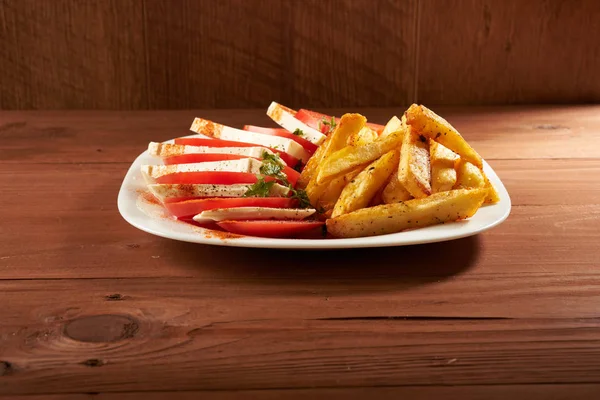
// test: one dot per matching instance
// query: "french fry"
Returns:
(468, 176)
(395, 192)
(442, 178)
(428, 123)
(363, 137)
(350, 157)
(349, 124)
(334, 189)
(414, 171)
(393, 125)
(359, 192)
(493, 197)
(417, 213)
(443, 174)
(312, 165)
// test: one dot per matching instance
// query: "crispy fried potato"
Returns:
(442, 178)
(311, 167)
(441, 155)
(414, 171)
(468, 176)
(428, 123)
(334, 189)
(393, 125)
(395, 192)
(361, 190)
(418, 213)
(493, 197)
(363, 137)
(349, 157)
(350, 124)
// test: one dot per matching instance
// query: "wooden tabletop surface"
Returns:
(91, 305)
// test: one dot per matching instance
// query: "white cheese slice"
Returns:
(249, 165)
(254, 213)
(165, 191)
(169, 150)
(284, 117)
(212, 129)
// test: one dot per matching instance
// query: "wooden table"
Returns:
(92, 305)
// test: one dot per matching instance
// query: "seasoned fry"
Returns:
(359, 192)
(393, 125)
(493, 197)
(468, 176)
(334, 189)
(395, 191)
(442, 178)
(441, 155)
(349, 125)
(417, 213)
(414, 171)
(363, 137)
(428, 123)
(349, 157)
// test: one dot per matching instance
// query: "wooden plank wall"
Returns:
(172, 54)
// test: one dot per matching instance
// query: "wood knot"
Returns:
(114, 297)
(6, 368)
(93, 362)
(101, 328)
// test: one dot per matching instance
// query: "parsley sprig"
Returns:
(273, 166)
(298, 132)
(331, 124)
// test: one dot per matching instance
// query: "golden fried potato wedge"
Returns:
(442, 178)
(361, 190)
(414, 171)
(395, 192)
(493, 197)
(350, 157)
(468, 176)
(349, 125)
(441, 155)
(333, 189)
(393, 125)
(428, 123)
(417, 213)
(363, 137)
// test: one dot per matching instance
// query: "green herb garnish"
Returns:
(331, 124)
(260, 188)
(298, 132)
(273, 166)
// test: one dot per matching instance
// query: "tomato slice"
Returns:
(308, 145)
(189, 208)
(210, 178)
(269, 228)
(314, 119)
(291, 161)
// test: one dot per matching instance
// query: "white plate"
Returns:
(152, 218)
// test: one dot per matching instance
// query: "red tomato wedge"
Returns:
(292, 174)
(308, 146)
(269, 228)
(314, 119)
(288, 159)
(190, 208)
(210, 178)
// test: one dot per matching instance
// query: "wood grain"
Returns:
(507, 52)
(83, 137)
(358, 53)
(470, 392)
(64, 54)
(200, 354)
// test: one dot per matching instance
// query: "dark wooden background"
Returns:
(166, 54)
